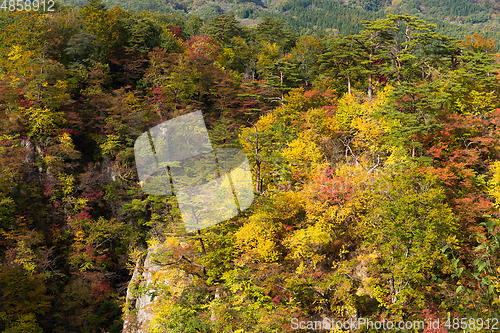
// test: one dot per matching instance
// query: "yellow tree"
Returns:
(104, 25)
(25, 62)
(258, 142)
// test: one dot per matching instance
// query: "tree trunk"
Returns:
(370, 86)
(281, 82)
(202, 244)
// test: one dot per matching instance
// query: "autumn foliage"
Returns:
(374, 157)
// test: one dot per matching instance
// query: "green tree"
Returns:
(272, 30)
(305, 53)
(223, 28)
(24, 295)
(342, 59)
(281, 76)
(406, 227)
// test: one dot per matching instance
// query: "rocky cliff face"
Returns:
(147, 290)
(140, 312)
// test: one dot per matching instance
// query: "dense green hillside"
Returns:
(456, 18)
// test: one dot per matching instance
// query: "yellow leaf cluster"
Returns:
(42, 120)
(305, 244)
(268, 55)
(111, 144)
(288, 205)
(248, 135)
(348, 109)
(66, 140)
(307, 46)
(16, 53)
(290, 113)
(255, 241)
(25, 257)
(174, 279)
(477, 102)
(303, 151)
(494, 182)
(369, 133)
(67, 183)
(225, 58)
(318, 119)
